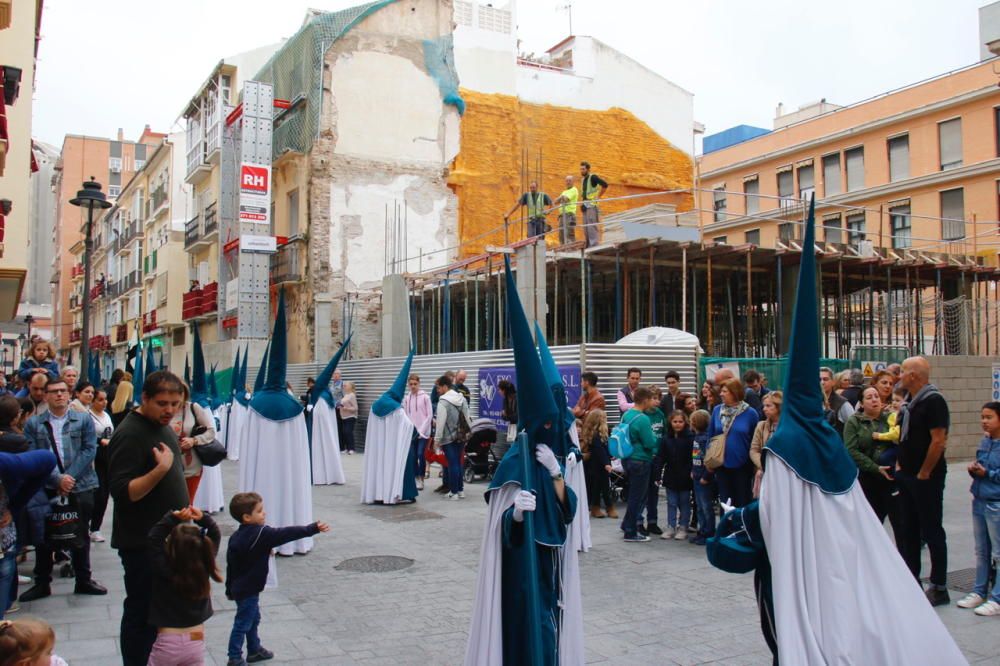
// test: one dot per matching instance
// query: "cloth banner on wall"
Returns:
(491, 402)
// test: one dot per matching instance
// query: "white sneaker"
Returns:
(420, 483)
(452, 496)
(682, 534)
(97, 537)
(23, 580)
(668, 532)
(990, 608)
(461, 495)
(971, 600)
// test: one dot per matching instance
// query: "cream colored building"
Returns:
(19, 29)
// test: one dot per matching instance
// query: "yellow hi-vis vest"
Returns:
(536, 205)
(590, 192)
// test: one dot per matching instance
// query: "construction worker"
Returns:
(592, 188)
(536, 202)
(567, 212)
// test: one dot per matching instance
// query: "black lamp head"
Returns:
(91, 196)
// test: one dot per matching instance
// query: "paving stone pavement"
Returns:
(653, 603)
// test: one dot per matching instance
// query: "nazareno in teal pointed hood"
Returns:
(804, 440)
(392, 399)
(321, 389)
(214, 399)
(150, 367)
(242, 395)
(234, 381)
(258, 382)
(199, 378)
(272, 401)
(535, 404)
(139, 376)
(187, 370)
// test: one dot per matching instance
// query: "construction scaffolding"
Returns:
(735, 298)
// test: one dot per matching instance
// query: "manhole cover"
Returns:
(963, 580)
(375, 564)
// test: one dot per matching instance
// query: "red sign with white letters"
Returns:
(254, 179)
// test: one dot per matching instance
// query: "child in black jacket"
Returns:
(703, 479)
(247, 567)
(677, 476)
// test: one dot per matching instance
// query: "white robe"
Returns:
(842, 593)
(326, 464)
(210, 496)
(387, 445)
(233, 434)
(485, 646)
(578, 534)
(274, 461)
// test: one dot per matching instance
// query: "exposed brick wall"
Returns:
(495, 131)
(966, 381)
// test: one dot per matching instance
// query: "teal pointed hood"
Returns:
(272, 401)
(187, 370)
(234, 382)
(199, 378)
(804, 440)
(322, 387)
(214, 399)
(139, 375)
(554, 380)
(258, 382)
(150, 366)
(535, 404)
(242, 394)
(392, 399)
(162, 365)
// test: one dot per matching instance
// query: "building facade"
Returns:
(916, 168)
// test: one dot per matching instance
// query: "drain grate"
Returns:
(962, 580)
(375, 564)
(400, 513)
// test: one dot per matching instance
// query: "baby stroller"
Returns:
(618, 481)
(480, 460)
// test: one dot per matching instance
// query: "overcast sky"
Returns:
(125, 63)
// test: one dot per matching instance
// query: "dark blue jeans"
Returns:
(652, 498)
(418, 453)
(453, 452)
(704, 497)
(638, 487)
(8, 580)
(245, 624)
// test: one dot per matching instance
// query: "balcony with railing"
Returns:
(75, 336)
(121, 333)
(74, 302)
(99, 342)
(149, 266)
(194, 234)
(157, 202)
(97, 291)
(211, 219)
(200, 303)
(288, 263)
(197, 167)
(132, 231)
(131, 281)
(149, 322)
(76, 271)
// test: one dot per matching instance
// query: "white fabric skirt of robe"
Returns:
(842, 593)
(233, 434)
(274, 462)
(210, 496)
(387, 445)
(326, 464)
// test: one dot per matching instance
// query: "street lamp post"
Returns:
(29, 319)
(90, 197)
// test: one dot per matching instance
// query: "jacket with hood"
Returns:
(418, 409)
(448, 408)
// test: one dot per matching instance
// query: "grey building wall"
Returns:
(41, 244)
(989, 28)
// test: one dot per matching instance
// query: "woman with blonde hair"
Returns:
(597, 463)
(763, 432)
(122, 401)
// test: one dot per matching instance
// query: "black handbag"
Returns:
(62, 524)
(210, 454)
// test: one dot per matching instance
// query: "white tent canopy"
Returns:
(660, 336)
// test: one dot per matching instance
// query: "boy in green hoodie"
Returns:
(638, 466)
(657, 421)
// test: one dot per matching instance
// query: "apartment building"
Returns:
(916, 168)
(112, 162)
(19, 31)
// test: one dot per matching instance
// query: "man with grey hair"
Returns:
(567, 211)
(920, 473)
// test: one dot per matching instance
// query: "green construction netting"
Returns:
(296, 70)
(773, 368)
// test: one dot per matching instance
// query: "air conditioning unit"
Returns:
(866, 249)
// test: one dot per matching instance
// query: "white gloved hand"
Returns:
(571, 458)
(726, 506)
(524, 501)
(547, 459)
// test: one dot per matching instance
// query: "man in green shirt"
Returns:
(638, 466)
(567, 212)
(657, 422)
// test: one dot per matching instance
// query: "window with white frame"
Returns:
(832, 232)
(786, 187)
(161, 288)
(855, 161)
(751, 188)
(899, 219)
(831, 174)
(786, 231)
(807, 182)
(719, 203)
(855, 228)
(953, 214)
(115, 164)
(114, 191)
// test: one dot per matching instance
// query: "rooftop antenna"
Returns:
(568, 8)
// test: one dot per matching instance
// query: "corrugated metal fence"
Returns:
(611, 362)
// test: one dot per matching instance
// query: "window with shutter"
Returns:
(751, 189)
(950, 141)
(806, 182)
(953, 214)
(855, 228)
(719, 203)
(786, 231)
(831, 174)
(855, 160)
(832, 230)
(786, 188)
(752, 237)
(899, 158)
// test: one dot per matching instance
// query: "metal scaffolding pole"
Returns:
(652, 291)
(889, 333)
(710, 309)
(779, 323)
(750, 349)
(871, 303)
(555, 306)
(476, 318)
(583, 298)
(618, 295)
(684, 278)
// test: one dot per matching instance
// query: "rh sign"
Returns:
(254, 179)
(255, 193)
